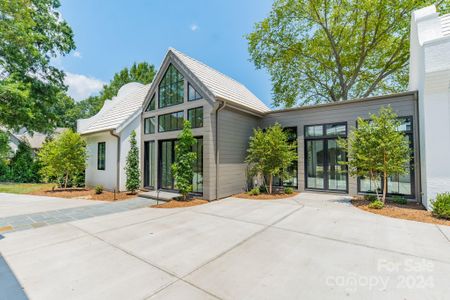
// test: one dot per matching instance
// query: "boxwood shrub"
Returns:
(441, 206)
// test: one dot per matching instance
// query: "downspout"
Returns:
(118, 160)
(219, 108)
(418, 156)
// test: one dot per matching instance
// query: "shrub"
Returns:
(132, 168)
(254, 191)
(441, 206)
(399, 199)
(288, 190)
(98, 189)
(377, 204)
(263, 189)
(370, 198)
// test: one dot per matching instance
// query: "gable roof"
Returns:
(220, 85)
(117, 111)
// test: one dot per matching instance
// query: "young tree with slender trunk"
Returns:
(132, 168)
(377, 149)
(270, 153)
(183, 168)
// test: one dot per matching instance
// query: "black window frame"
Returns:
(197, 95)
(410, 134)
(325, 138)
(101, 159)
(152, 104)
(149, 120)
(170, 85)
(162, 118)
(195, 111)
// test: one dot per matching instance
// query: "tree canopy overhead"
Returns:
(332, 50)
(31, 33)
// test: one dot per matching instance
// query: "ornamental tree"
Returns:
(183, 168)
(132, 167)
(63, 157)
(376, 149)
(270, 153)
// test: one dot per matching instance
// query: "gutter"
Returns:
(118, 159)
(219, 108)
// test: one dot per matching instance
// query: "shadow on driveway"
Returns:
(9, 286)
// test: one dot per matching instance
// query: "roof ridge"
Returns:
(209, 67)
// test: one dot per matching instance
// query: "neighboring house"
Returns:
(35, 140)
(108, 133)
(430, 75)
(224, 113)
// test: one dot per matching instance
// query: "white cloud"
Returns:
(81, 86)
(77, 54)
(194, 27)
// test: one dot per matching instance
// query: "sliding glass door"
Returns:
(149, 164)
(323, 156)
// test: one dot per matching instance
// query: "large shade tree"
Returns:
(31, 33)
(332, 50)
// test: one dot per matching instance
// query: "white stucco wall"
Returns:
(125, 147)
(430, 75)
(106, 177)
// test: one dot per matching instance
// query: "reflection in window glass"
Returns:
(152, 104)
(195, 116)
(171, 88)
(193, 94)
(169, 122)
(335, 129)
(149, 125)
(312, 131)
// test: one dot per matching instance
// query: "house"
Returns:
(108, 136)
(34, 140)
(223, 114)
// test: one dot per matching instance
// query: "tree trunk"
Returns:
(65, 180)
(384, 186)
(270, 183)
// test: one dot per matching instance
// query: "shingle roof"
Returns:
(117, 111)
(445, 24)
(220, 85)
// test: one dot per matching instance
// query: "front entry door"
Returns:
(166, 159)
(323, 170)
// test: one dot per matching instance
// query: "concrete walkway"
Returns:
(55, 210)
(314, 246)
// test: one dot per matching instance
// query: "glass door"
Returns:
(315, 164)
(149, 164)
(166, 159)
(323, 156)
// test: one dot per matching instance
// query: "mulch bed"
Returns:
(412, 211)
(177, 204)
(86, 194)
(265, 196)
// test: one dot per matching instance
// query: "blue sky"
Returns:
(111, 35)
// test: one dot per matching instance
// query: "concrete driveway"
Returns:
(314, 246)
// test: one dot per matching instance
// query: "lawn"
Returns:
(24, 188)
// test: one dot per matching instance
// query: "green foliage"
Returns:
(254, 191)
(132, 168)
(288, 190)
(441, 206)
(63, 157)
(377, 204)
(328, 50)
(270, 153)
(23, 166)
(397, 199)
(263, 189)
(98, 189)
(376, 149)
(370, 198)
(31, 33)
(183, 168)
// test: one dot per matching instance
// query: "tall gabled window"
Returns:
(171, 88)
(152, 104)
(101, 155)
(193, 94)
